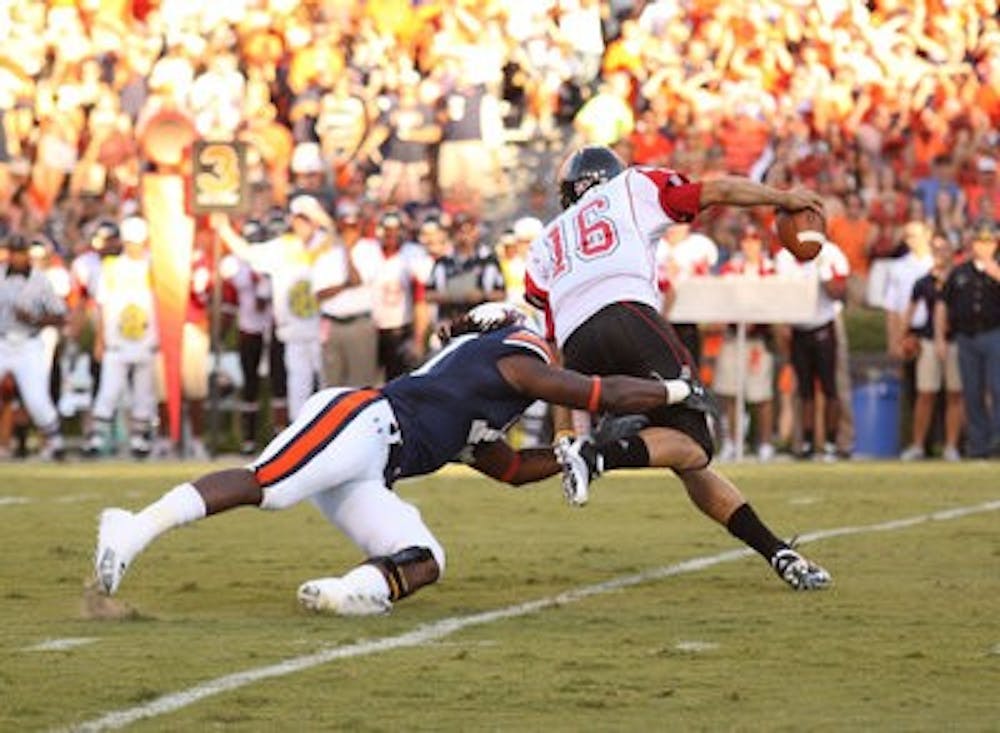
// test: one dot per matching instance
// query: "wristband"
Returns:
(594, 403)
(677, 390)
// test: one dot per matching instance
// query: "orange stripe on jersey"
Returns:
(315, 436)
(536, 343)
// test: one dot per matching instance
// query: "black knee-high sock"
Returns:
(630, 452)
(744, 524)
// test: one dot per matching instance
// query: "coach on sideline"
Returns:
(969, 308)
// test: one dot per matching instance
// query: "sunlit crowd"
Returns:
(401, 156)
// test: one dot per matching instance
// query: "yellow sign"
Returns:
(219, 177)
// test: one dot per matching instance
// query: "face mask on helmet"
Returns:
(584, 169)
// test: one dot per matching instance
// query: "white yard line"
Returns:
(447, 626)
(61, 645)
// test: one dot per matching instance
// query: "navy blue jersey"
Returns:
(458, 399)
(926, 291)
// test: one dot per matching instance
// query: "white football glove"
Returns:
(576, 473)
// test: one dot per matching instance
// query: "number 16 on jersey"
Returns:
(587, 235)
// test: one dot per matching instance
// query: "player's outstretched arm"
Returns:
(736, 191)
(500, 461)
(618, 394)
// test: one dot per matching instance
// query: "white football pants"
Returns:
(115, 368)
(335, 454)
(25, 360)
(304, 371)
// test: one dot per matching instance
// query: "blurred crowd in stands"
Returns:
(402, 154)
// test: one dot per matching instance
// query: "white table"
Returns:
(742, 301)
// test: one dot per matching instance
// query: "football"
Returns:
(801, 232)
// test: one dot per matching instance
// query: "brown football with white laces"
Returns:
(801, 232)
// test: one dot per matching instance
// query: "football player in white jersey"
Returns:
(593, 271)
(126, 341)
(348, 446)
(288, 259)
(28, 303)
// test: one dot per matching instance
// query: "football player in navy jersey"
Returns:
(347, 446)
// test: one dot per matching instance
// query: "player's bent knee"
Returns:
(695, 458)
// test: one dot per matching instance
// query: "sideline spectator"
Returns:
(288, 260)
(903, 274)
(854, 233)
(932, 372)
(126, 344)
(251, 294)
(758, 367)
(969, 307)
(814, 345)
(682, 253)
(398, 305)
(470, 275)
(342, 283)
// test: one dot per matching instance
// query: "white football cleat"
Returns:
(335, 595)
(116, 548)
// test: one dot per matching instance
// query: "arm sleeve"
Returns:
(534, 293)
(330, 271)
(263, 257)
(679, 198)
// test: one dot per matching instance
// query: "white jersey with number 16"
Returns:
(602, 249)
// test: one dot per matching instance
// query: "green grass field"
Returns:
(908, 639)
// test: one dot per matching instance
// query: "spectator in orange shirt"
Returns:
(744, 139)
(650, 144)
(854, 234)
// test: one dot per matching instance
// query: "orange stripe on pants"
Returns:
(301, 447)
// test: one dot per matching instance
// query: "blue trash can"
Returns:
(876, 417)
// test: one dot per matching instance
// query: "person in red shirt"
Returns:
(650, 145)
(984, 192)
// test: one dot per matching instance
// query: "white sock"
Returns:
(180, 505)
(369, 580)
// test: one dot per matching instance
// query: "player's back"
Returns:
(601, 250)
(458, 398)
